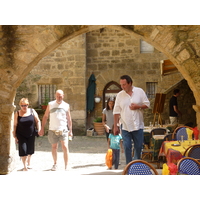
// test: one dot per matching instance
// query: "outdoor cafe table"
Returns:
(156, 141)
(174, 153)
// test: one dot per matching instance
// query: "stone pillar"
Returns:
(7, 143)
(197, 110)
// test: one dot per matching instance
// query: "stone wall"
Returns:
(108, 54)
(111, 53)
(65, 67)
(185, 104)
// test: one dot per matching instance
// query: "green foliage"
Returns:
(46, 100)
(98, 119)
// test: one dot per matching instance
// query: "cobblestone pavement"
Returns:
(87, 156)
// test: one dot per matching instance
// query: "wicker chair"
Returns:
(181, 131)
(193, 151)
(148, 149)
(139, 167)
(188, 166)
(169, 137)
(158, 131)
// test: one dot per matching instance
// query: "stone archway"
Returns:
(24, 46)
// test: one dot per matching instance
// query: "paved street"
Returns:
(87, 156)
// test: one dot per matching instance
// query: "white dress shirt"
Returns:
(131, 120)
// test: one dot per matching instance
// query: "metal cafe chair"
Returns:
(139, 167)
(148, 150)
(158, 131)
(169, 137)
(181, 131)
(193, 152)
(188, 166)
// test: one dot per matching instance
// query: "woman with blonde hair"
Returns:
(25, 121)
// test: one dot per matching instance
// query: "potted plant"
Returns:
(46, 101)
(44, 106)
(98, 126)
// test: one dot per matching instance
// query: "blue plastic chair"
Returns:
(188, 166)
(139, 167)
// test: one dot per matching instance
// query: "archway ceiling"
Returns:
(32, 43)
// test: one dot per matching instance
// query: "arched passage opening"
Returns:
(111, 89)
(179, 43)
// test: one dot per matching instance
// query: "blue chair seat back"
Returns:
(194, 152)
(189, 167)
(182, 132)
(139, 169)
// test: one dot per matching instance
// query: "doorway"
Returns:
(111, 89)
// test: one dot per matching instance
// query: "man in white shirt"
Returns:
(128, 112)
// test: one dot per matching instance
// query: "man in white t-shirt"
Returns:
(128, 112)
(60, 126)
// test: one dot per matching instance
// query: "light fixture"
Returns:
(97, 99)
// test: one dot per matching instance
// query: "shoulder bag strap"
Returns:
(33, 115)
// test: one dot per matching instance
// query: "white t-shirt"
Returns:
(58, 115)
(131, 120)
(109, 117)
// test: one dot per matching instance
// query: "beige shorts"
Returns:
(173, 120)
(55, 137)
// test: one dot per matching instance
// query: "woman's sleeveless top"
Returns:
(25, 125)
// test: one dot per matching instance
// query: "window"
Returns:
(145, 47)
(151, 88)
(46, 93)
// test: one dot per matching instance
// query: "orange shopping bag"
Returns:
(109, 158)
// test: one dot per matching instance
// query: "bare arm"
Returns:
(15, 126)
(116, 121)
(177, 110)
(104, 123)
(69, 122)
(134, 106)
(44, 121)
(37, 120)
(108, 143)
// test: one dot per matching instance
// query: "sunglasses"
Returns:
(24, 105)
